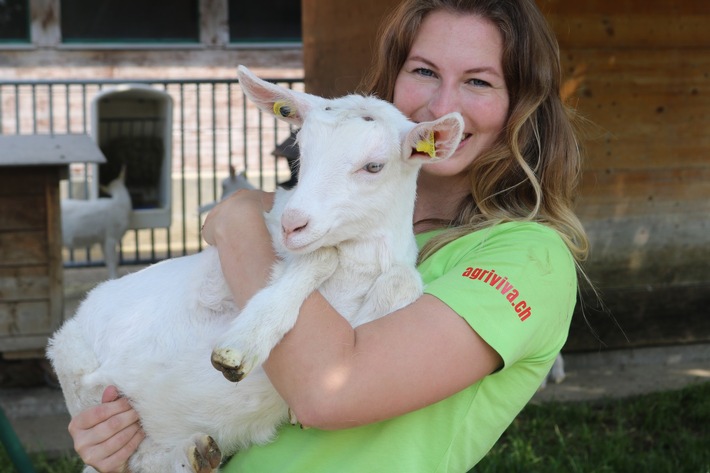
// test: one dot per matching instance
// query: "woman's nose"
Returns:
(444, 100)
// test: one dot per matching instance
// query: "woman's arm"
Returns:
(331, 375)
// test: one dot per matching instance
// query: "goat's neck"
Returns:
(392, 244)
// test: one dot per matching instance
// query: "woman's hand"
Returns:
(233, 215)
(236, 227)
(105, 436)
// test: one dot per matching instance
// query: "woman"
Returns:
(431, 387)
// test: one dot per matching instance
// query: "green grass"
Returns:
(656, 433)
(662, 432)
(42, 464)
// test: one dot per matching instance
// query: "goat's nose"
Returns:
(293, 222)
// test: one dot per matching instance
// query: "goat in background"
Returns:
(230, 185)
(104, 221)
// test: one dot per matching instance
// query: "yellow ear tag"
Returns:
(283, 109)
(427, 145)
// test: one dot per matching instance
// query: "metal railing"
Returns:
(213, 127)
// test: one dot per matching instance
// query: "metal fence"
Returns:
(213, 127)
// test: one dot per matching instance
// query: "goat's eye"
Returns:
(373, 168)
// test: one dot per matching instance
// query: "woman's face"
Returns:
(455, 65)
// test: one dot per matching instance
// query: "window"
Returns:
(264, 21)
(130, 21)
(14, 21)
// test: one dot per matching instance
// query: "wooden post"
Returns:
(338, 39)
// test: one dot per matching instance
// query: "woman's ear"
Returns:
(285, 104)
(435, 140)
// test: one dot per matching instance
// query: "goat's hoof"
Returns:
(293, 420)
(205, 455)
(225, 360)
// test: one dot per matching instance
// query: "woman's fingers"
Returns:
(113, 454)
(110, 394)
(106, 435)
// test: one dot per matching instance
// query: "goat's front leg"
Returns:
(271, 313)
(111, 257)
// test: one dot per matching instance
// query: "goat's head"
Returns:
(358, 165)
(118, 185)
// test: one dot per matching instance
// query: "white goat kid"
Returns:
(103, 221)
(347, 230)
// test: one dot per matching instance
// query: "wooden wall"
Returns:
(644, 83)
(640, 75)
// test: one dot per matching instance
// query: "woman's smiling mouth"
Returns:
(464, 140)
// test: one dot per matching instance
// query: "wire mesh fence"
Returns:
(212, 128)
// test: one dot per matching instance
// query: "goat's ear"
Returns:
(288, 105)
(435, 140)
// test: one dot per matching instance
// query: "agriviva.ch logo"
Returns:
(502, 285)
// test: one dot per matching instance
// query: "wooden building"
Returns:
(141, 40)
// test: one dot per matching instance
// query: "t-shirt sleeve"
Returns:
(515, 286)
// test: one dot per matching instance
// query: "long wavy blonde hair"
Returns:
(532, 170)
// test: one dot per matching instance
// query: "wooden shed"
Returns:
(639, 72)
(31, 297)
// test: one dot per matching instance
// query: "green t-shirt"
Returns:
(515, 284)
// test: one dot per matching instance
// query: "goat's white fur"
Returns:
(345, 230)
(104, 221)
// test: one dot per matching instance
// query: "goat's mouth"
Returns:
(303, 243)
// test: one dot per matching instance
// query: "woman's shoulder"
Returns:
(506, 234)
(527, 248)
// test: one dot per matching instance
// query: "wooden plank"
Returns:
(646, 109)
(628, 24)
(16, 181)
(640, 192)
(23, 212)
(23, 345)
(629, 7)
(24, 283)
(54, 250)
(23, 248)
(25, 318)
(631, 31)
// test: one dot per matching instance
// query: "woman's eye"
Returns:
(479, 83)
(373, 168)
(422, 71)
